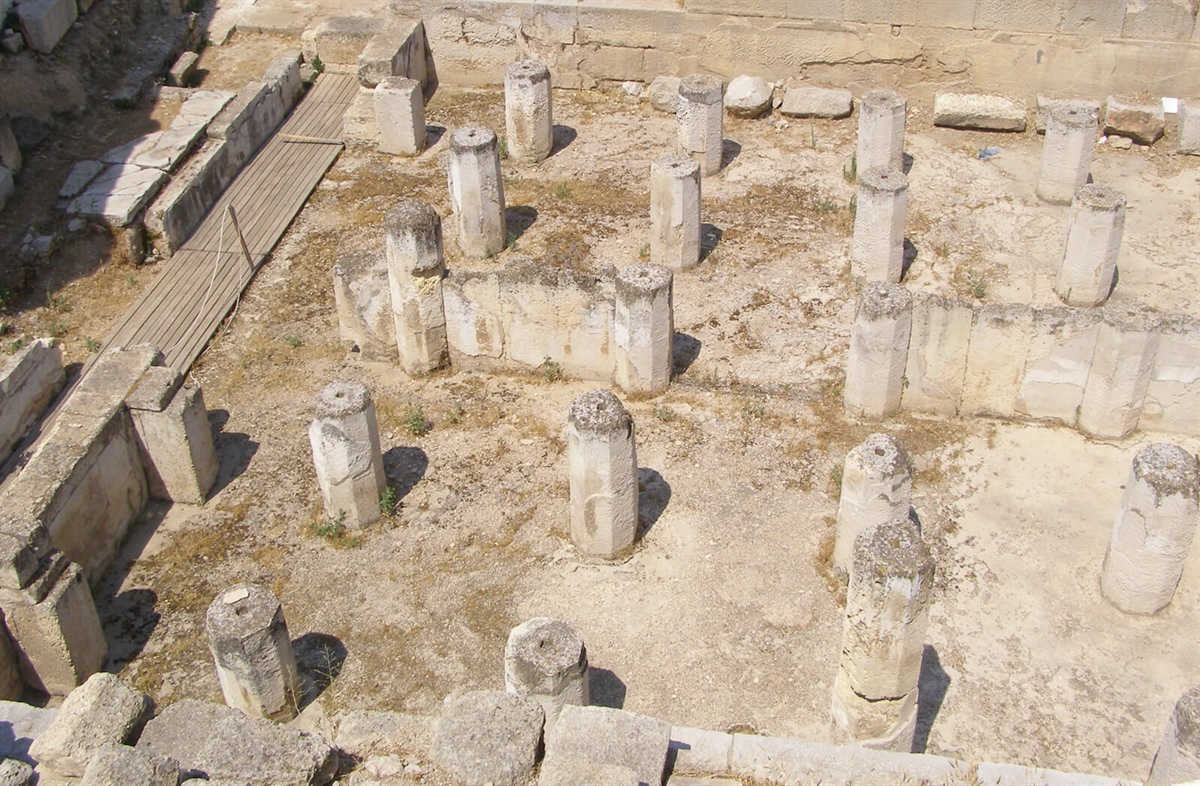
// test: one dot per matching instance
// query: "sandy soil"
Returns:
(725, 615)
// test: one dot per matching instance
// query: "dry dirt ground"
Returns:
(725, 615)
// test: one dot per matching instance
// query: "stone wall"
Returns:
(527, 313)
(1085, 49)
(28, 382)
(1041, 364)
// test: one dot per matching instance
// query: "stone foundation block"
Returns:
(982, 112)
(29, 380)
(1189, 127)
(400, 50)
(1056, 370)
(182, 70)
(488, 737)
(937, 355)
(363, 301)
(400, 116)
(602, 735)
(1143, 122)
(1120, 374)
(700, 750)
(824, 102)
(103, 710)
(879, 342)
(45, 22)
(121, 765)
(999, 345)
(562, 771)
(1173, 395)
(360, 129)
(175, 436)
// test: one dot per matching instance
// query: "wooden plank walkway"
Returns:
(200, 284)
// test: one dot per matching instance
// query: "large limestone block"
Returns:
(28, 381)
(1057, 367)
(24, 724)
(562, 771)
(339, 40)
(45, 22)
(366, 733)
(488, 737)
(602, 735)
(158, 150)
(1163, 19)
(173, 431)
(118, 194)
(182, 730)
(1120, 374)
(473, 314)
(748, 97)
(983, 112)
(1141, 121)
(399, 49)
(1189, 124)
(1173, 396)
(102, 710)
(363, 301)
(121, 765)
(817, 102)
(999, 345)
(937, 355)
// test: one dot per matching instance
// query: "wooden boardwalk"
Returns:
(200, 284)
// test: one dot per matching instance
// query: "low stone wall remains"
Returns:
(29, 380)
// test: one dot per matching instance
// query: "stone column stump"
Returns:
(415, 271)
(602, 461)
(249, 640)
(545, 660)
(528, 112)
(1066, 153)
(877, 250)
(346, 452)
(1094, 231)
(876, 488)
(702, 121)
(878, 351)
(644, 328)
(477, 191)
(881, 130)
(675, 212)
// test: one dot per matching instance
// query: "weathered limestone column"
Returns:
(878, 351)
(349, 462)
(477, 191)
(1153, 531)
(877, 253)
(876, 489)
(675, 212)
(887, 611)
(881, 130)
(1066, 153)
(1094, 231)
(528, 114)
(1122, 367)
(173, 432)
(400, 115)
(1178, 758)
(602, 461)
(702, 121)
(249, 640)
(415, 271)
(644, 328)
(545, 661)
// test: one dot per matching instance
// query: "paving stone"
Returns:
(119, 193)
(160, 150)
(607, 736)
(983, 112)
(81, 174)
(817, 102)
(200, 107)
(101, 710)
(487, 737)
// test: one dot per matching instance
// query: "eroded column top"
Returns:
(675, 166)
(472, 139)
(545, 645)
(881, 100)
(601, 413)
(1169, 470)
(416, 219)
(1097, 197)
(241, 610)
(882, 456)
(643, 279)
(342, 398)
(701, 88)
(891, 549)
(880, 299)
(879, 178)
(1073, 116)
(532, 71)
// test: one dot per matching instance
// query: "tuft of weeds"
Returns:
(550, 370)
(389, 503)
(664, 413)
(14, 346)
(91, 344)
(293, 341)
(333, 530)
(562, 190)
(415, 422)
(454, 416)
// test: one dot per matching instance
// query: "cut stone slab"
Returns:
(199, 108)
(81, 174)
(182, 70)
(664, 94)
(488, 737)
(563, 771)
(1048, 104)
(101, 710)
(159, 150)
(23, 724)
(121, 765)
(748, 97)
(45, 22)
(364, 733)
(1143, 122)
(607, 736)
(976, 111)
(119, 193)
(222, 743)
(817, 102)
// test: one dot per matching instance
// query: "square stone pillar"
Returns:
(174, 435)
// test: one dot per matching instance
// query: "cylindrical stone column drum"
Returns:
(528, 115)
(345, 443)
(881, 130)
(545, 660)
(675, 212)
(876, 489)
(602, 462)
(477, 191)
(878, 351)
(1094, 231)
(415, 271)
(249, 640)
(1178, 758)
(1153, 531)
(1066, 153)
(877, 253)
(702, 121)
(644, 328)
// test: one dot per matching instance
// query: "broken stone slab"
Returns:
(121, 765)
(1141, 121)
(101, 710)
(338, 41)
(119, 193)
(223, 744)
(824, 102)
(664, 94)
(23, 723)
(201, 107)
(81, 175)
(159, 150)
(602, 735)
(364, 733)
(563, 771)
(1049, 104)
(183, 69)
(748, 97)
(45, 22)
(488, 737)
(977, 111)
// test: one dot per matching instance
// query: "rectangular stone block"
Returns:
(1172, 402)
(1000, 339)
(29, 380)
(1034, 16)
(833, 10)
(817, 102)
(59, 640)
(1094, 17)
(118, 194)
(157, 150)
(45, 22)
(102, 711)
(363, 303)
(399, 49)
(1060, 358)
(182, 70)
(1189, 124)
(975, 111)
(776, 8)
(958, 14)
(186, 200)
(175, 437)
(602, 735)
(1169, 19)
(937, 355)
(474, 324)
